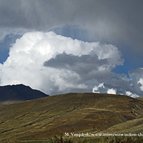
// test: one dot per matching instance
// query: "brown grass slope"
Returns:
(140, 98)
(75, 112)
(130, 126)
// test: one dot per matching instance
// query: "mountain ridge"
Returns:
(19, 92)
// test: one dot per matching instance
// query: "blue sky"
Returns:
(5, 44)
(131, 61)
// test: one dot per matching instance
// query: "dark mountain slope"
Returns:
(19, 92)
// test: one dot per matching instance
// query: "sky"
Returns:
(72, 45)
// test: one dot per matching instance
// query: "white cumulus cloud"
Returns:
(111, 91)
(96, 89)
(27, 58)
(129, 93)
(141, 83)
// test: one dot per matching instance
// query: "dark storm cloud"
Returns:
(111, 20)
(82, 65)
(87, 66)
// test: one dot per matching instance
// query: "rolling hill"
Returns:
(75, 112)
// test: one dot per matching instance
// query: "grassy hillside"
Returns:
(54, 115)
(140, 98)
(131, 126)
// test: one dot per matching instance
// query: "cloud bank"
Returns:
(112, 20)
(57, 64)
(54, 63)
(118, 22)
